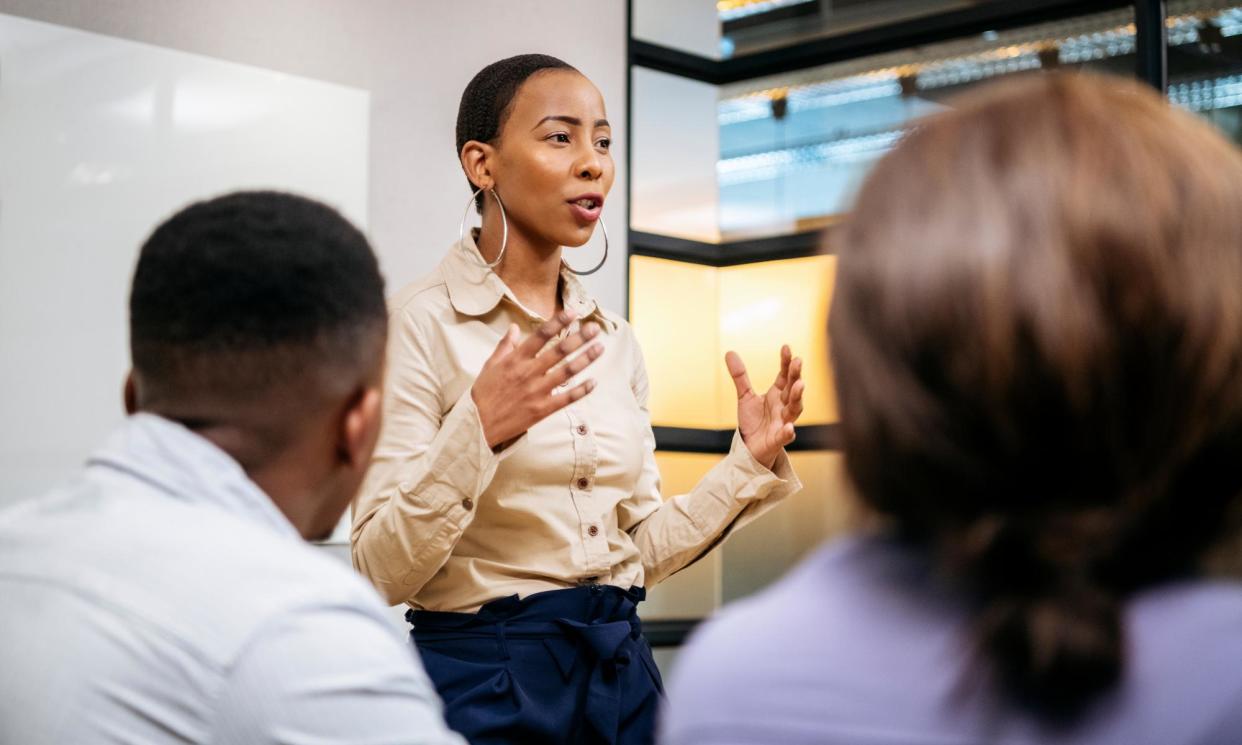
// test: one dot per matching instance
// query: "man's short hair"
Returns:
(238, 295)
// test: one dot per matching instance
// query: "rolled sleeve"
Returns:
(736, 491)
(428, 471)
(671, 534)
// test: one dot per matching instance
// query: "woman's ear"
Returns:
(476, 161)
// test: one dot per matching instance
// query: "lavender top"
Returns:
(862, 645)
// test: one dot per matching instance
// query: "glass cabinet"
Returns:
(752, 123)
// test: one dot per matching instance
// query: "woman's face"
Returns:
(552, 165)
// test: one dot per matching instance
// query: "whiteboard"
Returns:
(100, 139)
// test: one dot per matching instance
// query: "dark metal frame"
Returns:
(911, 32)
(669, 632)
(691, 440)
(732, 253)
(1152, 43)
(780, 14)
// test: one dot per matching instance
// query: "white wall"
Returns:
(414, 57)
(101, 138)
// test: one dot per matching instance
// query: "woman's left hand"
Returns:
(767, 421)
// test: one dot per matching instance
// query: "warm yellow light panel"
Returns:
(673, 309)
(686, 317)
(770, 303)
(694, 592)
(763, 551)
(679, 472)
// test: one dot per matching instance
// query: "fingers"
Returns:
(546, 332)
(793, 408)
(737, 371)
(793, 375)
(555, 353)
(782, 377)
(561, 400)
(562, 374)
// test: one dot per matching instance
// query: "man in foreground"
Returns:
(166, 593)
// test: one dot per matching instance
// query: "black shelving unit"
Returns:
(1150, 52)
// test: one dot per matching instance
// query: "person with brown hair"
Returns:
(1037, 343)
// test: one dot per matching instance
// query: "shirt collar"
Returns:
(475, 290)
(166, 455)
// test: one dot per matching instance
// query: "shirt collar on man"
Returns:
(188, 467)
(475, 290)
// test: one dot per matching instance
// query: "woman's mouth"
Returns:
(587, 206)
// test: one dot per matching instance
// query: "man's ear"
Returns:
(360, 427)
(476, 161)
(130, 395)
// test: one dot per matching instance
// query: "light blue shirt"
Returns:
(863, 645)
(161, 597)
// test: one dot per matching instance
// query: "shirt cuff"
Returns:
(737, 491)
(755, 481)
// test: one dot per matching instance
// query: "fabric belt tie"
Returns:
(601, 620)
(607, 648)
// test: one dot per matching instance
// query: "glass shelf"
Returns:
(795, 147)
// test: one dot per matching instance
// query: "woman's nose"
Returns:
(589, 165)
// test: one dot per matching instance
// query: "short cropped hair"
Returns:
(489, 95)
(241, 294)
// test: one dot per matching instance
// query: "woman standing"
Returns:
(513, 503)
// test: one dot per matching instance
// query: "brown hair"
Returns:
(1037, 342)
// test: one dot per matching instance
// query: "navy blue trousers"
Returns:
(565, 666)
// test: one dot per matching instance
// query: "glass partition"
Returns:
(795, 147)
(751, 26)
(1205, 62)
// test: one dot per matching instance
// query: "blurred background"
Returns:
(752, 123)
(744, 128)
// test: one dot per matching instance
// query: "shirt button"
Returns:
(592, 531)
(467, 504)
(583, 483)
(582, 429)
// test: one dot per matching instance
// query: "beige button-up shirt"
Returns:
(443, 523)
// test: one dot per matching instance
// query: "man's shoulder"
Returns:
(198, 620)
(274, 574)
(189, 571)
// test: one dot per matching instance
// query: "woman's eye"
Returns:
(604, 144)
(560, 137)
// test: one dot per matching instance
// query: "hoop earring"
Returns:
(504, 240)
(598, 266)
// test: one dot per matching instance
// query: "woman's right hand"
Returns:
(514, 390)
